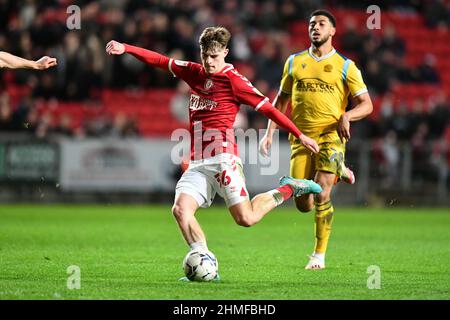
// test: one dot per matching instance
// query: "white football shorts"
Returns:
(222, 174)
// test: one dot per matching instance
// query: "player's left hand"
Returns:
(343, 128)
(115, 48)
(309, 143)
(45, 62)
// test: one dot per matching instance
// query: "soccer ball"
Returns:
(200, 265)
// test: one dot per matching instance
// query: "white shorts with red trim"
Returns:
(221, 174)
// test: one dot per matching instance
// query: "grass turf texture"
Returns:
(135, 252)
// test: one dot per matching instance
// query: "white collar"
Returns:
(228, 67)
(321, 58)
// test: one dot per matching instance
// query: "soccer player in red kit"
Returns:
(217, 90)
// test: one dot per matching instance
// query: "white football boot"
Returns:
(315, 263)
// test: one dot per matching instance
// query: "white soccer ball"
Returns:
(200, 265)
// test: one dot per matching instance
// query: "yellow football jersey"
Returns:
(319, 88)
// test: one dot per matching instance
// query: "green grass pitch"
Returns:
(135, 252)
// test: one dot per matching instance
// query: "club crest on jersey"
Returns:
(303, 65)
(328, 68)
(208, 84)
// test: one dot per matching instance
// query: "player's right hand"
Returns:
(45, 62)
(309, 143)
(114, 47)
(265, 144)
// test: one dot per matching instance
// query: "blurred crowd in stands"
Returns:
(261, 41)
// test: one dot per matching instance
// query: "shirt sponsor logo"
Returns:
(198, 103)
(314, 85)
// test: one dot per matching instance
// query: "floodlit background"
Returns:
(97, 128)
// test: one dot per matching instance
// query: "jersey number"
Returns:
(222, 178)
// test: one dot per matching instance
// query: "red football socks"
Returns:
(286, 191)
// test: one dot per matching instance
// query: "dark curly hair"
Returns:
(326, 13)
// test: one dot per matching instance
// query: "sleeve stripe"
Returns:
(360, 92)
(170, 67)
(345, 70)
(291, 62)
(261, 103)
(227, 69)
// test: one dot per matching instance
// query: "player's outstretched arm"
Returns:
(11, 61)
(280, 102)
(150, 57)
(361, 110)
(309, 143)
(279, 118)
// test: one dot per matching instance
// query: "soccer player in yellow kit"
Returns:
(318, 82)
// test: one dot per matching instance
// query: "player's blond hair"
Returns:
(214, 38)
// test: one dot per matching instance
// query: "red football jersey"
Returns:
(214, 102)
